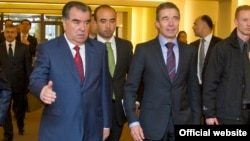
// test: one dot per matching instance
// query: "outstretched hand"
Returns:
(47, 94)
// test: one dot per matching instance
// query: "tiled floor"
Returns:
(31, 129)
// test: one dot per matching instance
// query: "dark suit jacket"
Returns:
(32, 45)
(81, 110)
(2, 38)
(124, 57)
(212, 43)
(161, 99)
(5, 95)
(18, 72)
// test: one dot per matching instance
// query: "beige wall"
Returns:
(142, 24)
(195, 8)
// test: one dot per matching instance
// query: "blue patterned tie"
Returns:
(171, 61)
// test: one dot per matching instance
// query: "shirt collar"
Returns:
(71, 45)
(99, 38)
(208, 37)
(12, 43)
(163, 40)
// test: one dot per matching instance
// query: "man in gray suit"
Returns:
(171, 93)
(71, 78)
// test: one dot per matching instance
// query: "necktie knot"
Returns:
(108, 44)
(77, 48)
(170, 45)
(203, 40)
(10, 45)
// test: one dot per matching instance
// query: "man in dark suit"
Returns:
(26, 38)
(171, 93)
(203, 28)
(15, 61)
(105, 19)
(5, 96)
(77, 95)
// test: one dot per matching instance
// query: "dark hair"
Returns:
(102, 6)
(79, 5)
(26, 20)
(165, 5)
(207, 20)
(179, 34)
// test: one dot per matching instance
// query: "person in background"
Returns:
(26, 38)
(182, 36)
(92, 29)
(226, 88)
(5, 96)
(6, 23)
(121, 52)
(18, 28)
(16, 64)
(71, 78)
(171, 93)
(203, 28)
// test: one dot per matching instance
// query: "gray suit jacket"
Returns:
(161, 99)
(81, 110)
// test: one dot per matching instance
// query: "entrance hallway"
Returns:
(31, 128)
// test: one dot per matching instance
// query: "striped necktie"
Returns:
(171, 66)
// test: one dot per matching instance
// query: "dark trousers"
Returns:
(116, 130)
(19, 104)
(7, 126)
(169, 134)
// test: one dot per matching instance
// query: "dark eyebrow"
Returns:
(76, 20)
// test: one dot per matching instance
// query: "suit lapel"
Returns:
(118, 56)
(68, 58)
(156, 50)
(181, 59)
(5, 50)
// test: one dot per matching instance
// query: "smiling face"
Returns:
(76, 26)
(167, 23)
